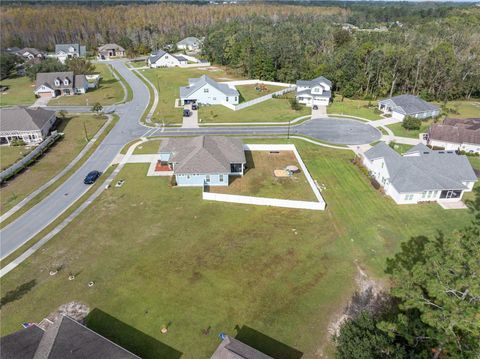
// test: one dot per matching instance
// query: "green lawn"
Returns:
(149, 147)
(161, 255)
(53, 161)
(398, 129)
(359, 108)
(249, 92)
(108, 92)
(475, 162)
(141, 63)
(401, 147)
(465, 109)
(20, 91)
(11, 154)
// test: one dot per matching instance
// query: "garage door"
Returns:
(45, 94)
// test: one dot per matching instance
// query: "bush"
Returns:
(17, 142)
(411, 123)
(295, 105)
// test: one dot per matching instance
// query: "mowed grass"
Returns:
(360, 108)
(53, 161)
(259, 179)
(11, 154)
(162, 256)
(250, 92)
(146, 148)
(108, 92)
(20, 91)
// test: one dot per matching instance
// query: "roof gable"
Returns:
(409, 104)
(24, 118)
(198, 83)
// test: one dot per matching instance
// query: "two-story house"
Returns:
(316, 92)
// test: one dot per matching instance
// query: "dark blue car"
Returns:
(91, 177)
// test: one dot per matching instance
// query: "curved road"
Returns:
(128, 128)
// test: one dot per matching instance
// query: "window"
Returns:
(221, 178)
(409, 197)
(226, 98)
(205, 90)
(65, 82)
(429, 194)
(207, 178)
(57, 82)
(214, 99)
(236, 98)
(424, 193)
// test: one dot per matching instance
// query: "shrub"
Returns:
(17, 142)
(295, 105)
(411, 123)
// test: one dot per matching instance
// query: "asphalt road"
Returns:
(128, 128)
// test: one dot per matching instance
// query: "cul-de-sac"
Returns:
(239, 179)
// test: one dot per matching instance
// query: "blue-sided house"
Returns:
(203, 160)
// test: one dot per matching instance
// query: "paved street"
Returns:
(128, 128)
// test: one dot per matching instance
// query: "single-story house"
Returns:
(68, 51)
(456, 134)
(189, 43)
(31, 125)
(204, 90)
(231, 348)
(408, 105)
(316, 92)
(105, 52)
(164, 59)
(421, 174)
(64, 339)
(30, 53)
(53, 84)
(203, 160)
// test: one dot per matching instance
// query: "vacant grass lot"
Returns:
(260, 181)
(160, 255)
(20, 91)
(249, 92)
(52, 162)
(11, 154)
(359, 108)
(108, 92)
(398, 129)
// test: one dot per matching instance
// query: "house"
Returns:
(421, 174)
(231, 348)
(30, 125)
(203, 160)
(189, 43)
(105, 52)
(164, 59)
(204, 90)
(402, 106)
(54, 84)
(456, 135)
(30, 53)
(316, 92)
(64, 339)
(69, 51)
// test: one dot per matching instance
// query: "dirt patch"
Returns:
(75, 310)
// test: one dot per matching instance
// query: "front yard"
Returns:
(359, 108)
(108, 92)
(259, 179)
(398, 129)
(53, 161)
(162, 256)
(19, 92)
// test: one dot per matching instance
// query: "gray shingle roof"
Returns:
(231, 348)
(421, 170)
(21, 344)
(157, 55)
(80, 50)
(198, 83)
(203, 154)
(456, 131)
(48, 79)
(309, 92)
(24, 119)
(189, 41)
(409, 104)
(316, 81)
(107, 47)
(31, 50)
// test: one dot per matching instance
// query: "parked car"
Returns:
(315, 107)
(91, 177)
(187, 113)
(194, 106)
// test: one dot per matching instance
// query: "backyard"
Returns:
(250, 92)
(109, 91)
(53, 161)
(167, 258)
(259, 179)
(11, 154)
(19, 91)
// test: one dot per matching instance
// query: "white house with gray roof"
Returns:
(30, 125)
(164, 59)
(402, 106)
(54, 84)
(203, 160)
(69, 51)
(204, 90)
(190, 43)
(316, 92)
(421, 174)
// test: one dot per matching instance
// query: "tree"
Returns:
(294, 104)
(97, 108)
(80, 66)
(7, 64)
(47, 65)
(411, 123)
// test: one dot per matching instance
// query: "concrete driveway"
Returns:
(192, 120)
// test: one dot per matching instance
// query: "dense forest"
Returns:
(427, 49)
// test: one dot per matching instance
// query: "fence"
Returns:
(199, 64)
(254, 82)
(262, 201)
(257, 100)
(30, 157)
